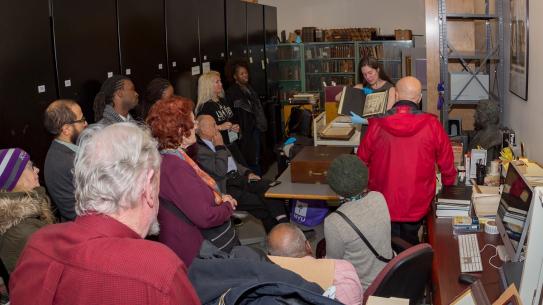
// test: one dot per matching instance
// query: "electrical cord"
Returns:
(490, 259)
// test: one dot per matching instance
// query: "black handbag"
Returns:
(222, 236)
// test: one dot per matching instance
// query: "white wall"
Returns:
(526, 117)
(384, 14)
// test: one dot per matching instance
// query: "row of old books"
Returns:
(331, 66)
(314, 82)
(289, 72)
(337, 51)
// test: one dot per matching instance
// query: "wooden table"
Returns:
(289, 190)
(446, 264)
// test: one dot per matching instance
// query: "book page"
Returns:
(375, 104)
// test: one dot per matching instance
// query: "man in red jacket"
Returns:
(101, 257)
(401, 150)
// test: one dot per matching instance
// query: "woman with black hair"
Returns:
(249, 113)
(374, 79)
(157, 89)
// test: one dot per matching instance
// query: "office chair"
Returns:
(405, 276)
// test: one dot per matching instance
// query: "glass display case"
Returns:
(388, 53)
(307, 67)
(290, 66)
(329, 62)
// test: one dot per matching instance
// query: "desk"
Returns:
(289, 190)
(446, 264)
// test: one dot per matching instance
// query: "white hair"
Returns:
(111, 167)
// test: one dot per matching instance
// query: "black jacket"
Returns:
(249, 114)
(58, 175)
(215, 163)
(250, 281)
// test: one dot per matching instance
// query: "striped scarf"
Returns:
(208, 180)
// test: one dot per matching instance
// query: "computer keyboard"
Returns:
(470, 256)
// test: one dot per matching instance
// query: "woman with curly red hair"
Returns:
(191, 205)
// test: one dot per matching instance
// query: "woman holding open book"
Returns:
(374, 79)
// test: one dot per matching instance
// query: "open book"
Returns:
(353, 99)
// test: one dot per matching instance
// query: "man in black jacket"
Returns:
(233, 178)
(64, 119)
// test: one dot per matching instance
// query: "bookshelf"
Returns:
(304, 67)
(329, 62)
(290, 70)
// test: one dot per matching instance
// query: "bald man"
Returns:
(289, 249)
(401, 150)
(65, 120)
(233, 178)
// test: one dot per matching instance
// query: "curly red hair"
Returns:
(170, 120)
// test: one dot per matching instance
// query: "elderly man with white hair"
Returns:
(101, 257)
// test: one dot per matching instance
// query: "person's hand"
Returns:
(225, 126)
(235, 127)
(356, 119)
(253, 176)
(217, 139)
(230, 199)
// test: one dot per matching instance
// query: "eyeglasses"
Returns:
(81, 120)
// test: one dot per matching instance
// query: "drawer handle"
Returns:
(312, 173)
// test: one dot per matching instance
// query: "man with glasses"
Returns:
(65, 120)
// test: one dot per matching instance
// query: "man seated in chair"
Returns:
(289, 249)
(233, 178)
(364, 211)
(102, 256)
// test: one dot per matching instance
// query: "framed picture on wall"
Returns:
(454, 127)
(518, 69)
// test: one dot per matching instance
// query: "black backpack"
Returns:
(300, 121)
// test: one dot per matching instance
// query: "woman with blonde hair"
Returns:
(211, 102)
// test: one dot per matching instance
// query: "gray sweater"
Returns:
(370, 215)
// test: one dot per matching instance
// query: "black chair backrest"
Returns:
(408, 277)
(5, 275)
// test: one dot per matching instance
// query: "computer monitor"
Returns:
(513, 211)
(532, 275)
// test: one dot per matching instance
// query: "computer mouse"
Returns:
(466, 278)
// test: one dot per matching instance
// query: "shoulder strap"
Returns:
(377, 255)
(168, 205)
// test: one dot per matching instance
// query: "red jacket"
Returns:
(98, 260)
(401, 150)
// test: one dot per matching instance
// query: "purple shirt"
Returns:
(182, 186)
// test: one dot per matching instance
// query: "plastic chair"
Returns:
(405, 276)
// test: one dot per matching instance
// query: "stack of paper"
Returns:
(512, 210)
(453, 201)
(485, 201)
(374, 300)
